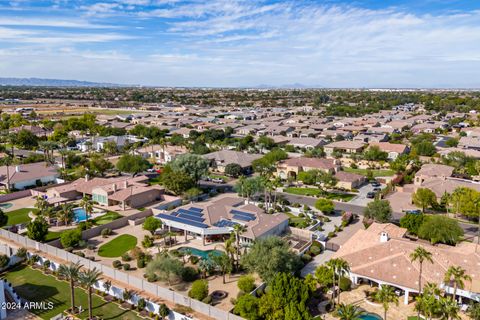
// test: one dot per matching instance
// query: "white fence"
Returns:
(131, 281)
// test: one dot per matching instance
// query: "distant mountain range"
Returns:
(39, 82)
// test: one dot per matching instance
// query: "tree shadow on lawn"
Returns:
(40, 293)
(113, 315)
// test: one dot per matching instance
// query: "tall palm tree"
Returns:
(41, 203)
(386, 295)
(89, 279)
(349, 312)
(238, 229)
(421, 255)
(222, 263)
(71, 273)
(7, 162)
(87, 205)
(65, 213)
(339, 268)
(450, 309)
(456, 275)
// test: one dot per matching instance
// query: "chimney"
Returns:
(17, 169)
(114, 187)
(86, 177)
(384, 236)
(126, 184)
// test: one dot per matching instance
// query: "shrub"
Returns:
(106, 232)
(163, 310)
(331, 234)
(189, 274)
(246, 283)
(71, 238)
(22, 253)
(4, 260)
(116, 264)
(80, 254)
(141, 304)
(199, 290)
(152, 277)
(126, 266)
(147, 242)
(208, 300)
(306, 258)
(345, 284)
(141, 263)
(315, 250)
(301, 215)
(193, 259)
(126, 257)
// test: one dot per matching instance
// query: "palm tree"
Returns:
(89, 279)
(456, 275)
(421, 255)
(431, 288)
(386, 295)
(65, 213)
(223, 263)
(41, 203)
(349, 312)
(450, 309)
(339, 268)
(71, 273)
(87, 205)
(7, 162)
(238, 229)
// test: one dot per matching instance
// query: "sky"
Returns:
(244, 43)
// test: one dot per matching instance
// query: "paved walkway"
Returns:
(317, 261)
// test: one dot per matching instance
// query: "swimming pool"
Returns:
(80, 214)
(6, 205)
(201, 253)
(370, 316)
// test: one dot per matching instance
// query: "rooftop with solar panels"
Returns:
(220, 215)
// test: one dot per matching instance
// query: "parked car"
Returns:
(415, 211)
(375, 184)
(377, 189)
(371, 195)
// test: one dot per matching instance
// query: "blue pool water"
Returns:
(370, 316)
(201, 253)
(80, 214)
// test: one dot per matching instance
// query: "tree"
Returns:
(412, 222)
(192, 194)
(89, 279)
(247, 307)
(222, 263)
(193, 165)
(269, 256)
(375, 154)
(249, 187)
(339, 268)
(66, 214)
(238, 229)
(70, 238)
(26, 139)
(450, 308)
(163, 311)
(349, 312)
(98, 165)
(87, 205)
(324, 276)
(176, 182)
(233, 170)
(466, 201)
(456, 275)
(246, 283)
(152, 224)
(440, 229)
(325, 205)
(3, 218)
(385, 296)
(424, 148)
(286, 298)
(199, 290)
(4, 261)
(132, 164)
(421, 255)
(474, 311)
(379, 210)
(424, 198)
(37, 229)
(70, 273)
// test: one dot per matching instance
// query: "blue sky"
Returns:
(329, 43)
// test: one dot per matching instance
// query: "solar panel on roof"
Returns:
(181, 220)
(193, 213)
(174, 214)
(225, 223)
(242, 213)
(242, 218)
(190, 217)
(196, 209)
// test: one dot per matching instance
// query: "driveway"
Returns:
(317, 261)
(361, 199)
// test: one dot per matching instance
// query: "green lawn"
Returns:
(107, 218)
(19, 216)
(51, 235)
(376, 173)
(118, 246)
(33, 285)
(316, 191)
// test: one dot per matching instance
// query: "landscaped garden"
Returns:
(33, 285)
(19, 216)
(107, 218)
(118, 246)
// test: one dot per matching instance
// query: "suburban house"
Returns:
(469, 143)
(161, 154)
(36, 130)
(307, 143)
(381, 255)
(28, 175)
(216, 218)
(220, 159)
(393, 149)
(291, 167)
(345, 147)
(349, 181)
(123, 191)
(98, 143)
(429, 171)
